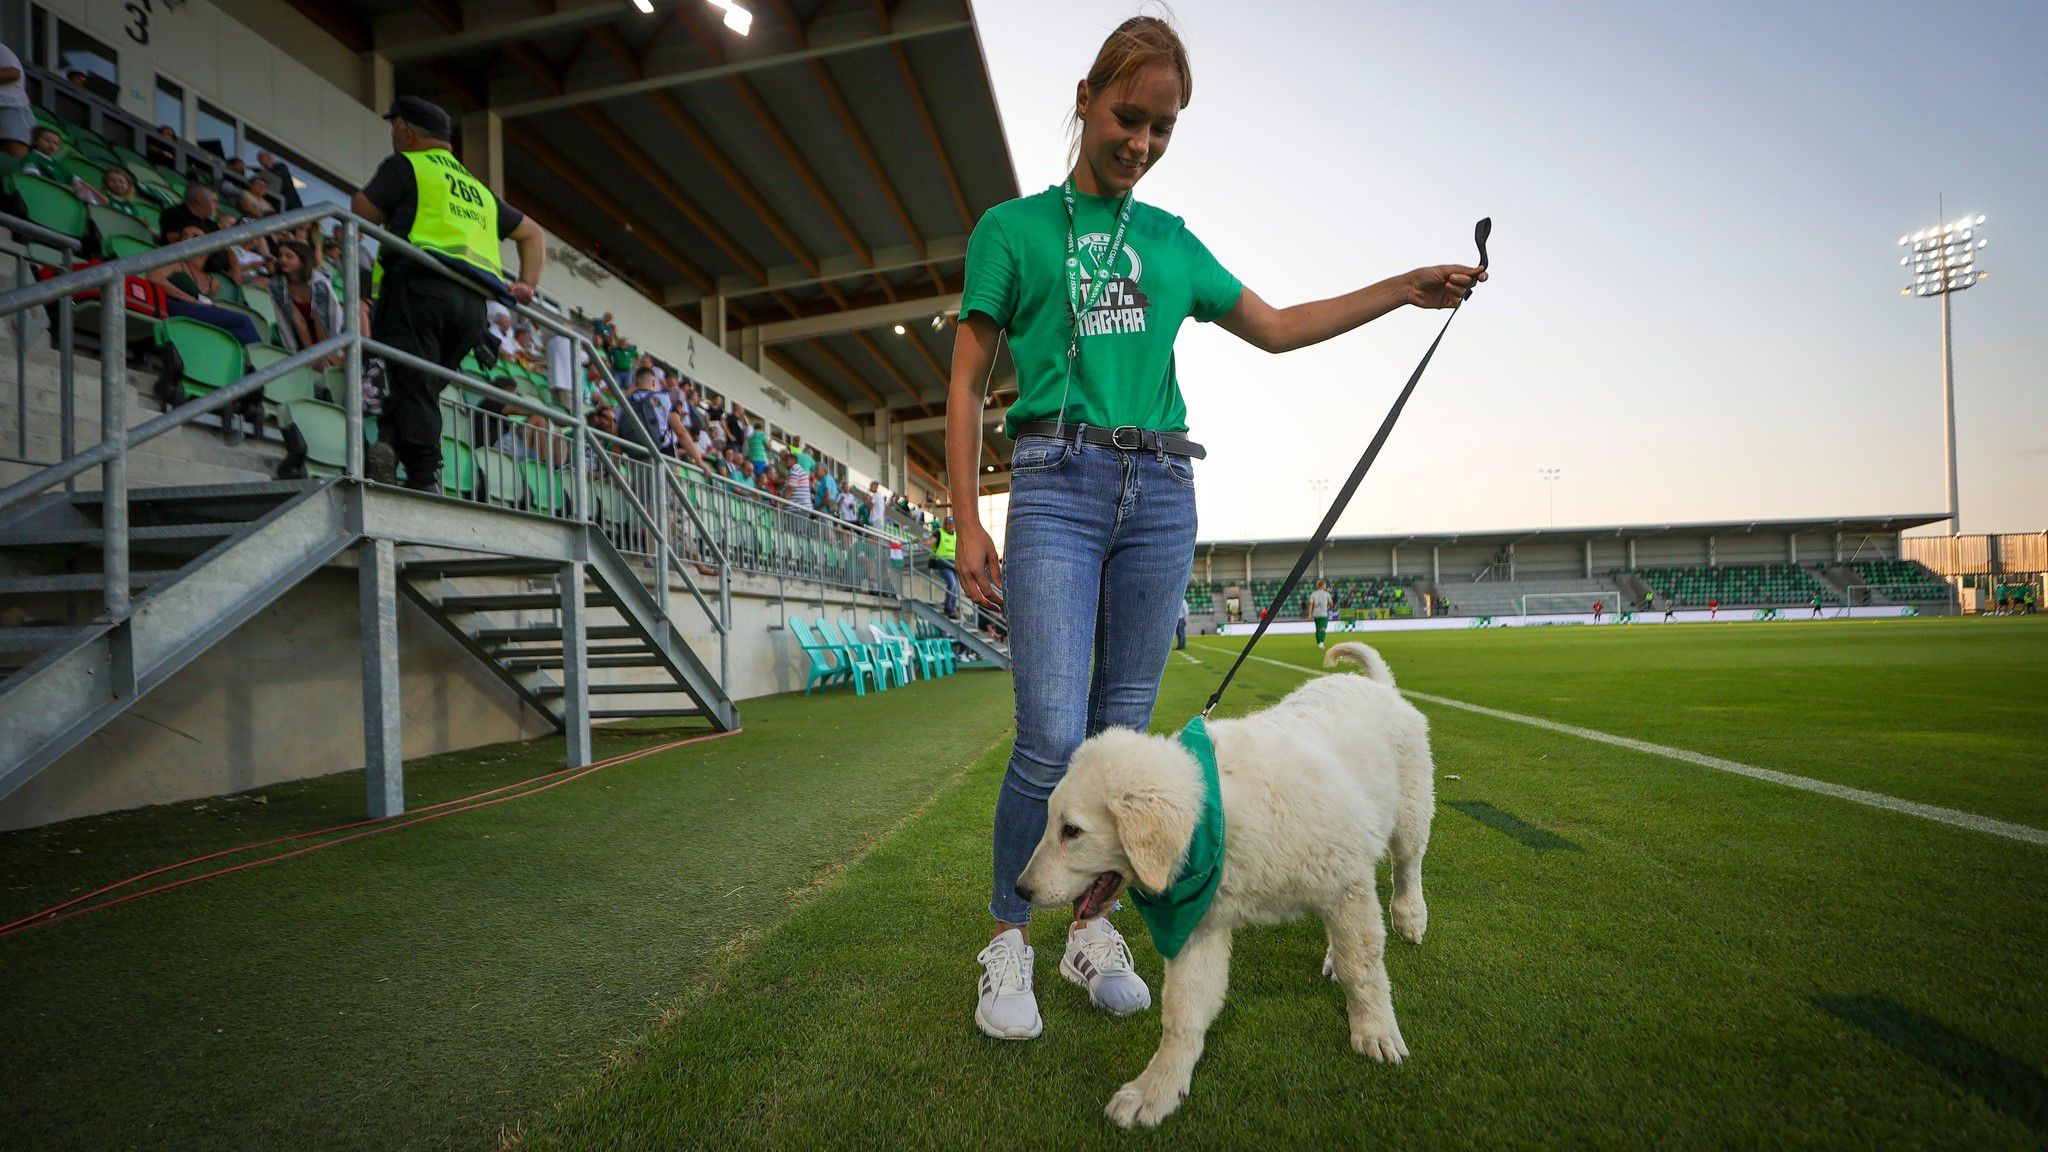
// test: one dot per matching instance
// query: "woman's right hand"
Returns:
(979, 568)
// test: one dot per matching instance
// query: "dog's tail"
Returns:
(1353, 652)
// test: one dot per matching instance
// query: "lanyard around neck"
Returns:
(1078, 304)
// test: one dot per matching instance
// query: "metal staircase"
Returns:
(995, 655)
(215, 555)
(105, 595)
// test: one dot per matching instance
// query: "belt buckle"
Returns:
(1116, 437)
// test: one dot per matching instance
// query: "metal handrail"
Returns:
(588, 443)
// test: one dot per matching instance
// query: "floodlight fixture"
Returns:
(736, 18)
(1944, 262)
(646, 6)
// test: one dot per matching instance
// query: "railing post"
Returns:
(661, 534)
(23, 273)
(352, 324)
(67, 379)
(562, 369)
(114, 427)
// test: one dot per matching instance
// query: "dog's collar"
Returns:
(1173, 914)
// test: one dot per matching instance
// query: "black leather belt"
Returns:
(1129, 438)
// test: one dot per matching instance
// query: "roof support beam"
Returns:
(926, 399)
(398, 39)
(833, 269)
(990, 417)
(660, 78)
(853, 320)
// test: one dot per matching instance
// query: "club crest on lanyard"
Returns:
(1078, 302)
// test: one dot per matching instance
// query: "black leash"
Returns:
(1479, 234)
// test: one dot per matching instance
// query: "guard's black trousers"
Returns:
(436, 319)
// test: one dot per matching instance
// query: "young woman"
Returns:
(1090, 288)
(190, 287)
(307, 309)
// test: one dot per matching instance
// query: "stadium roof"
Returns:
(821, 174)
(1864, 524)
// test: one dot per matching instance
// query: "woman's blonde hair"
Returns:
(1137, 43)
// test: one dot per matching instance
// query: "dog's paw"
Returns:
(1410, 921)
(1381, 1042)
(1329, 966)
(1140, 1102)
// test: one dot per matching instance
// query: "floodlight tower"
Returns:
(1944, 261)
(1550, 476)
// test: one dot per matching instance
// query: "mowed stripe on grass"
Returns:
(431, 987)
(1936, 813)
(1673, 982)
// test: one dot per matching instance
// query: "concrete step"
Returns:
(549, 632)
(646, 660)
(492, 566)
(204, 493)
(517, 601)
(646, 713)
(615, 689)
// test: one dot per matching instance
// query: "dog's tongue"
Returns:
(1097, 897)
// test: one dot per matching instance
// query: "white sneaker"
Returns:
(1007, 1009)
(1098, 959)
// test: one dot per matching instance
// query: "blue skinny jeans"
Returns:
(1098, 549)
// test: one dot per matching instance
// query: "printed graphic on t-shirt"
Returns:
(1122, 306)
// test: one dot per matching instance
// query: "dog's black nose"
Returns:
(1025, 894)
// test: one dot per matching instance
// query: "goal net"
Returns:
(1611, 601)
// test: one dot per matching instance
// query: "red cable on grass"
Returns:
(557, 778)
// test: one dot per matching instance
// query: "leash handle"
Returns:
(1480, 232)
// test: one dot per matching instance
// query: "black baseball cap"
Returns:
(422, 114)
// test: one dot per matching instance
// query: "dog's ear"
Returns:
(1155, 809)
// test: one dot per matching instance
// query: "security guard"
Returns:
(944, 542)
(425, 194)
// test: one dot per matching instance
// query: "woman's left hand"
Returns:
(1442, 285)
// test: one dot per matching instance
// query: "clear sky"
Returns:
(1694, 312)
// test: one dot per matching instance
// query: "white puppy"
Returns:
(1315, 789)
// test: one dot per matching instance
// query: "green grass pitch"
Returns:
(767, 941)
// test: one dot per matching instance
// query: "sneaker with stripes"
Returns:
(1098, 959)
(1007, 1009)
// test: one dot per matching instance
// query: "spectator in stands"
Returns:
(197, 209)
(736, 425)
(849, 506)
(796, 482)
(307, 309)
(419, 310)
(117, 191)
(17, 119)
(757, 449)
(499, 329)
(255, 197)
(1319, 602)
(244, 263)
(235, 180)
(287, 188)
(190, 287)
(46, 147)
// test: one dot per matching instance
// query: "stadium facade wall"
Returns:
(295, 83)
(1538, 558)
(280, 698)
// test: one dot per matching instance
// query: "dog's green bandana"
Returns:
(1173, 914)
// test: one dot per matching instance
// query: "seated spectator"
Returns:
(46, 147)
(498, 322)
(235, 180)
(189, 288)
(198, 208)
(308, 310)
(255, 198)
(117, 191)
(162, 148)
(246, 263)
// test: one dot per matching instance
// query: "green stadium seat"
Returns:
(113, 223)
(213, 358)
(458, 468)
(49, 203)
(325, 428)
(504, 482)
(121, 247)
(265, 308)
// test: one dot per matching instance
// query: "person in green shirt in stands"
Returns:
(757, 450)
(1091, 288)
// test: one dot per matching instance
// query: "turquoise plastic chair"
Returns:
(828, 667)
(900, 653)
(855, 653)
(931, 660)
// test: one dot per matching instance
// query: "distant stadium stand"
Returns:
(1734, 584)
(1902, 581)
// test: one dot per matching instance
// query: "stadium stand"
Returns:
(1901, 581)
(232, 304)
(1505, 597)
(1759, 585)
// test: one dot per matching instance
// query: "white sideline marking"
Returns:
(2025, 834)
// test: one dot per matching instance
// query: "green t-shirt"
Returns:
(757, 447)
(1016, 276)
